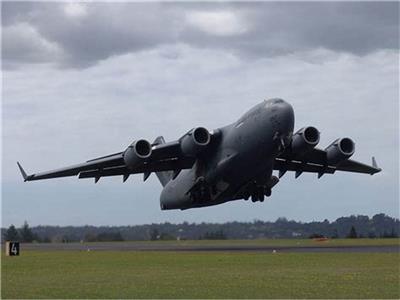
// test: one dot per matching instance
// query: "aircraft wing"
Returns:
(315, 161)
(164, 157)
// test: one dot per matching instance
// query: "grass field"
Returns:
(130, 274)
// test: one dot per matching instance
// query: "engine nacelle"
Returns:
(305, 140)
(137, 152)
(340, 150)
(195, 141)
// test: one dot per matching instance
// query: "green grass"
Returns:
(108, 274)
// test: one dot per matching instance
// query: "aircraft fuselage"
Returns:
(244, 148)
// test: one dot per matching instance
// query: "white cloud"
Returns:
(75, 9)
(220, 23)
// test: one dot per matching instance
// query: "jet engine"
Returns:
(137, 152)
(305, 139)
(195, 141)
(339, 150)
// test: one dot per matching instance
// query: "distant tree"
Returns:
(335, 234)
(281, 220)
(11, 234)
(26, 233)
(353, 233)
(392, 234)
(154, 234)
(166, 236)
(46, 239)
(67, 238)
(109, 237)
(90, 237)
(316, 236)
(379, 225)
(215, 235)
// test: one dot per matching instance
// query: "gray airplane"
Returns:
(234, 162)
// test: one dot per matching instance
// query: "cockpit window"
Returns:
(277, 100)
(273, 101)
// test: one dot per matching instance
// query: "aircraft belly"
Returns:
(174, 195)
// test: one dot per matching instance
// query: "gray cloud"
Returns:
(140, 70)
(82, 36)
(57, 117)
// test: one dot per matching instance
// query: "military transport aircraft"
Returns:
(234, 162)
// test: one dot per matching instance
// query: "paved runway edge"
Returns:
(131, 246)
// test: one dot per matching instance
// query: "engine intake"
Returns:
(195, 141)
(340, 150)
(136, 153)
(305, 139)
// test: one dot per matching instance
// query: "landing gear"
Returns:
(258, 190)
(259, 193)
(200, 192)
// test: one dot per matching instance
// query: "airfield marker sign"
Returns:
(12, 248)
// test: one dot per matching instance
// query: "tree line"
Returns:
(380, 225)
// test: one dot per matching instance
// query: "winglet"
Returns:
(375, 165)
(23, 173)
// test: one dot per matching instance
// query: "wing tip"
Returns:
(375, 165)
(23, 173)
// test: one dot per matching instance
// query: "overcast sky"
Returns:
(84, 80)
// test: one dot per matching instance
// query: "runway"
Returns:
(157, 246)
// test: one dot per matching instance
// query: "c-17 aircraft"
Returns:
(234, 162)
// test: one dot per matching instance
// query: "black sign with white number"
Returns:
(13, 248)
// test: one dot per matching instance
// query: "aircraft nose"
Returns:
(285, 115)
(284, 112)
(286, 122)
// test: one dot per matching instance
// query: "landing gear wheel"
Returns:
(268, 192)
(260, 195)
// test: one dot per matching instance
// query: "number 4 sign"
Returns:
(12, 248)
